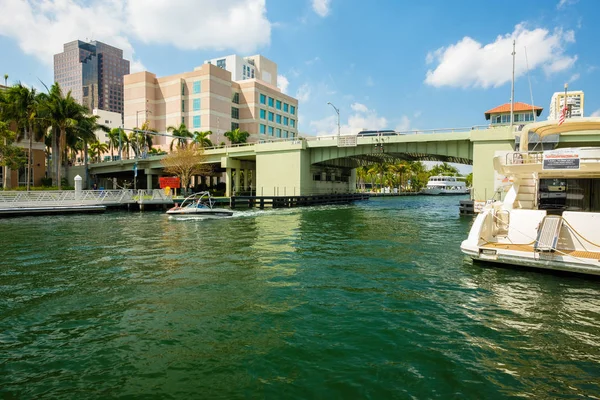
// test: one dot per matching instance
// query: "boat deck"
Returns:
(529, 248)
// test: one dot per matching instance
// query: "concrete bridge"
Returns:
(327, 164)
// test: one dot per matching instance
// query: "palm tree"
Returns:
(201, 139)
(62, 112)
(21, 105)
(236, 136)
(97, 148)
(181, 134)
(5, 79)
(113, 140)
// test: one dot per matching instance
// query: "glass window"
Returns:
(263, 114)
(278, 104)
(292, 123)
(285, 134)
(196, 104)
(263, 129)
(222, 63)
(278, 118)
(271, 115)
(285, 121)
(235, 112)
(196, 88)
(278, 132)
(293, 110)
(263, 99)
(234, 126)
(285, 107)
(271, 101)
(236, 98)
(182, 105)
(196, 121)
(271, 130)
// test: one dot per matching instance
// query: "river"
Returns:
(371, 300)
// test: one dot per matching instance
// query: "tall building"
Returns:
(93, 72)
(209, 99)
(574, 104)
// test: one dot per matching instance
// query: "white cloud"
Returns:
(596, 113)
(404, 124)
(468, 63)
(312, 61)
(574, 77)
(303, 93)
(321, 7)
(564, 3)
(362, 118)
(282, 83)
(41, 27)
(226, 24)
(359, 107)
(370, 82)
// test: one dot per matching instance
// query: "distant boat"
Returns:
(199, 205)
(446, 185)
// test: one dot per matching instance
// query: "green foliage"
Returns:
(236, 136)
(46, 182)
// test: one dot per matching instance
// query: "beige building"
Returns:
(208, 99)
(575, 102)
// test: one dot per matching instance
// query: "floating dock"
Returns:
(50, 210)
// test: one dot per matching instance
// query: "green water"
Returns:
(372, 300)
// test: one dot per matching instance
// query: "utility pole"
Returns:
(337, 110)
(512, 93)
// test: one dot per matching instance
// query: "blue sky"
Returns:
(385, 64)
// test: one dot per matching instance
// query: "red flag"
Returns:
(563, 114)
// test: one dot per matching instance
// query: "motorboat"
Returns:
(446, 185)
(199, 204)
(550, 214)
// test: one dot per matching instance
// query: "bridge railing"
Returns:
(64, 197)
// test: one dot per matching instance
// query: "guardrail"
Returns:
(523, 158)
(83, 197)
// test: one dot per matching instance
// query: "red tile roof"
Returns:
(505, 108)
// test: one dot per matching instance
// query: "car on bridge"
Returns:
(377, 133)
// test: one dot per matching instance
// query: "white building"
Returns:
(574, 104)
(109, 119)
(252, 67)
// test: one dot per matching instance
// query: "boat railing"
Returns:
(516, 158)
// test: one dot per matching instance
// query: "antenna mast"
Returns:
(512, 93)
(530, 90)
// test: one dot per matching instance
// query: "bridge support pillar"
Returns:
(246, 179)
(148, 181)
(228, 182)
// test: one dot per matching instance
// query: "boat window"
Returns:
(569, 194)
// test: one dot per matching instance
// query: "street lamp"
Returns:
(337, 110)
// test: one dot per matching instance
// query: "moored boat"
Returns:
(550, 216)
(199, 205)
(446, 185)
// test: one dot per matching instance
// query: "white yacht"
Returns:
(444, 185)
(550, 216)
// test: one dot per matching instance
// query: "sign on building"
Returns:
(561, 159)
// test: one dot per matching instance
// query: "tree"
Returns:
(21, 105)
(469, 180)
(97, 149)
(140, 140)
(114, 136)
(181, 134)
(62, 112)
(5, 79)
(201, 139)
(10, 156)
(443, 169)
(236, 136)
(186, 162)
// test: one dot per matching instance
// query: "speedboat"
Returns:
(199, 205)
(445, 185)
(550, 214)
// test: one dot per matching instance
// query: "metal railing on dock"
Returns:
(52, 198)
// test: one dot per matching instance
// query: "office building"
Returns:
(243, 68)
(209, 99)
(93, 72)
(574, 104)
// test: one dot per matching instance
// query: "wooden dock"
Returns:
(294, 201)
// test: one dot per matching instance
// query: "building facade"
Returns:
(575, 100)
(109, 119)
(523, 114)
(208, 99)
(93, 72)
(252, 67)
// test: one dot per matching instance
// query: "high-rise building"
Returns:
(574, 104)
(93, 72)
(209, 99)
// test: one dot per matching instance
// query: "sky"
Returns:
(385, 64)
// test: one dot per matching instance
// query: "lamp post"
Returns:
(337, 110)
